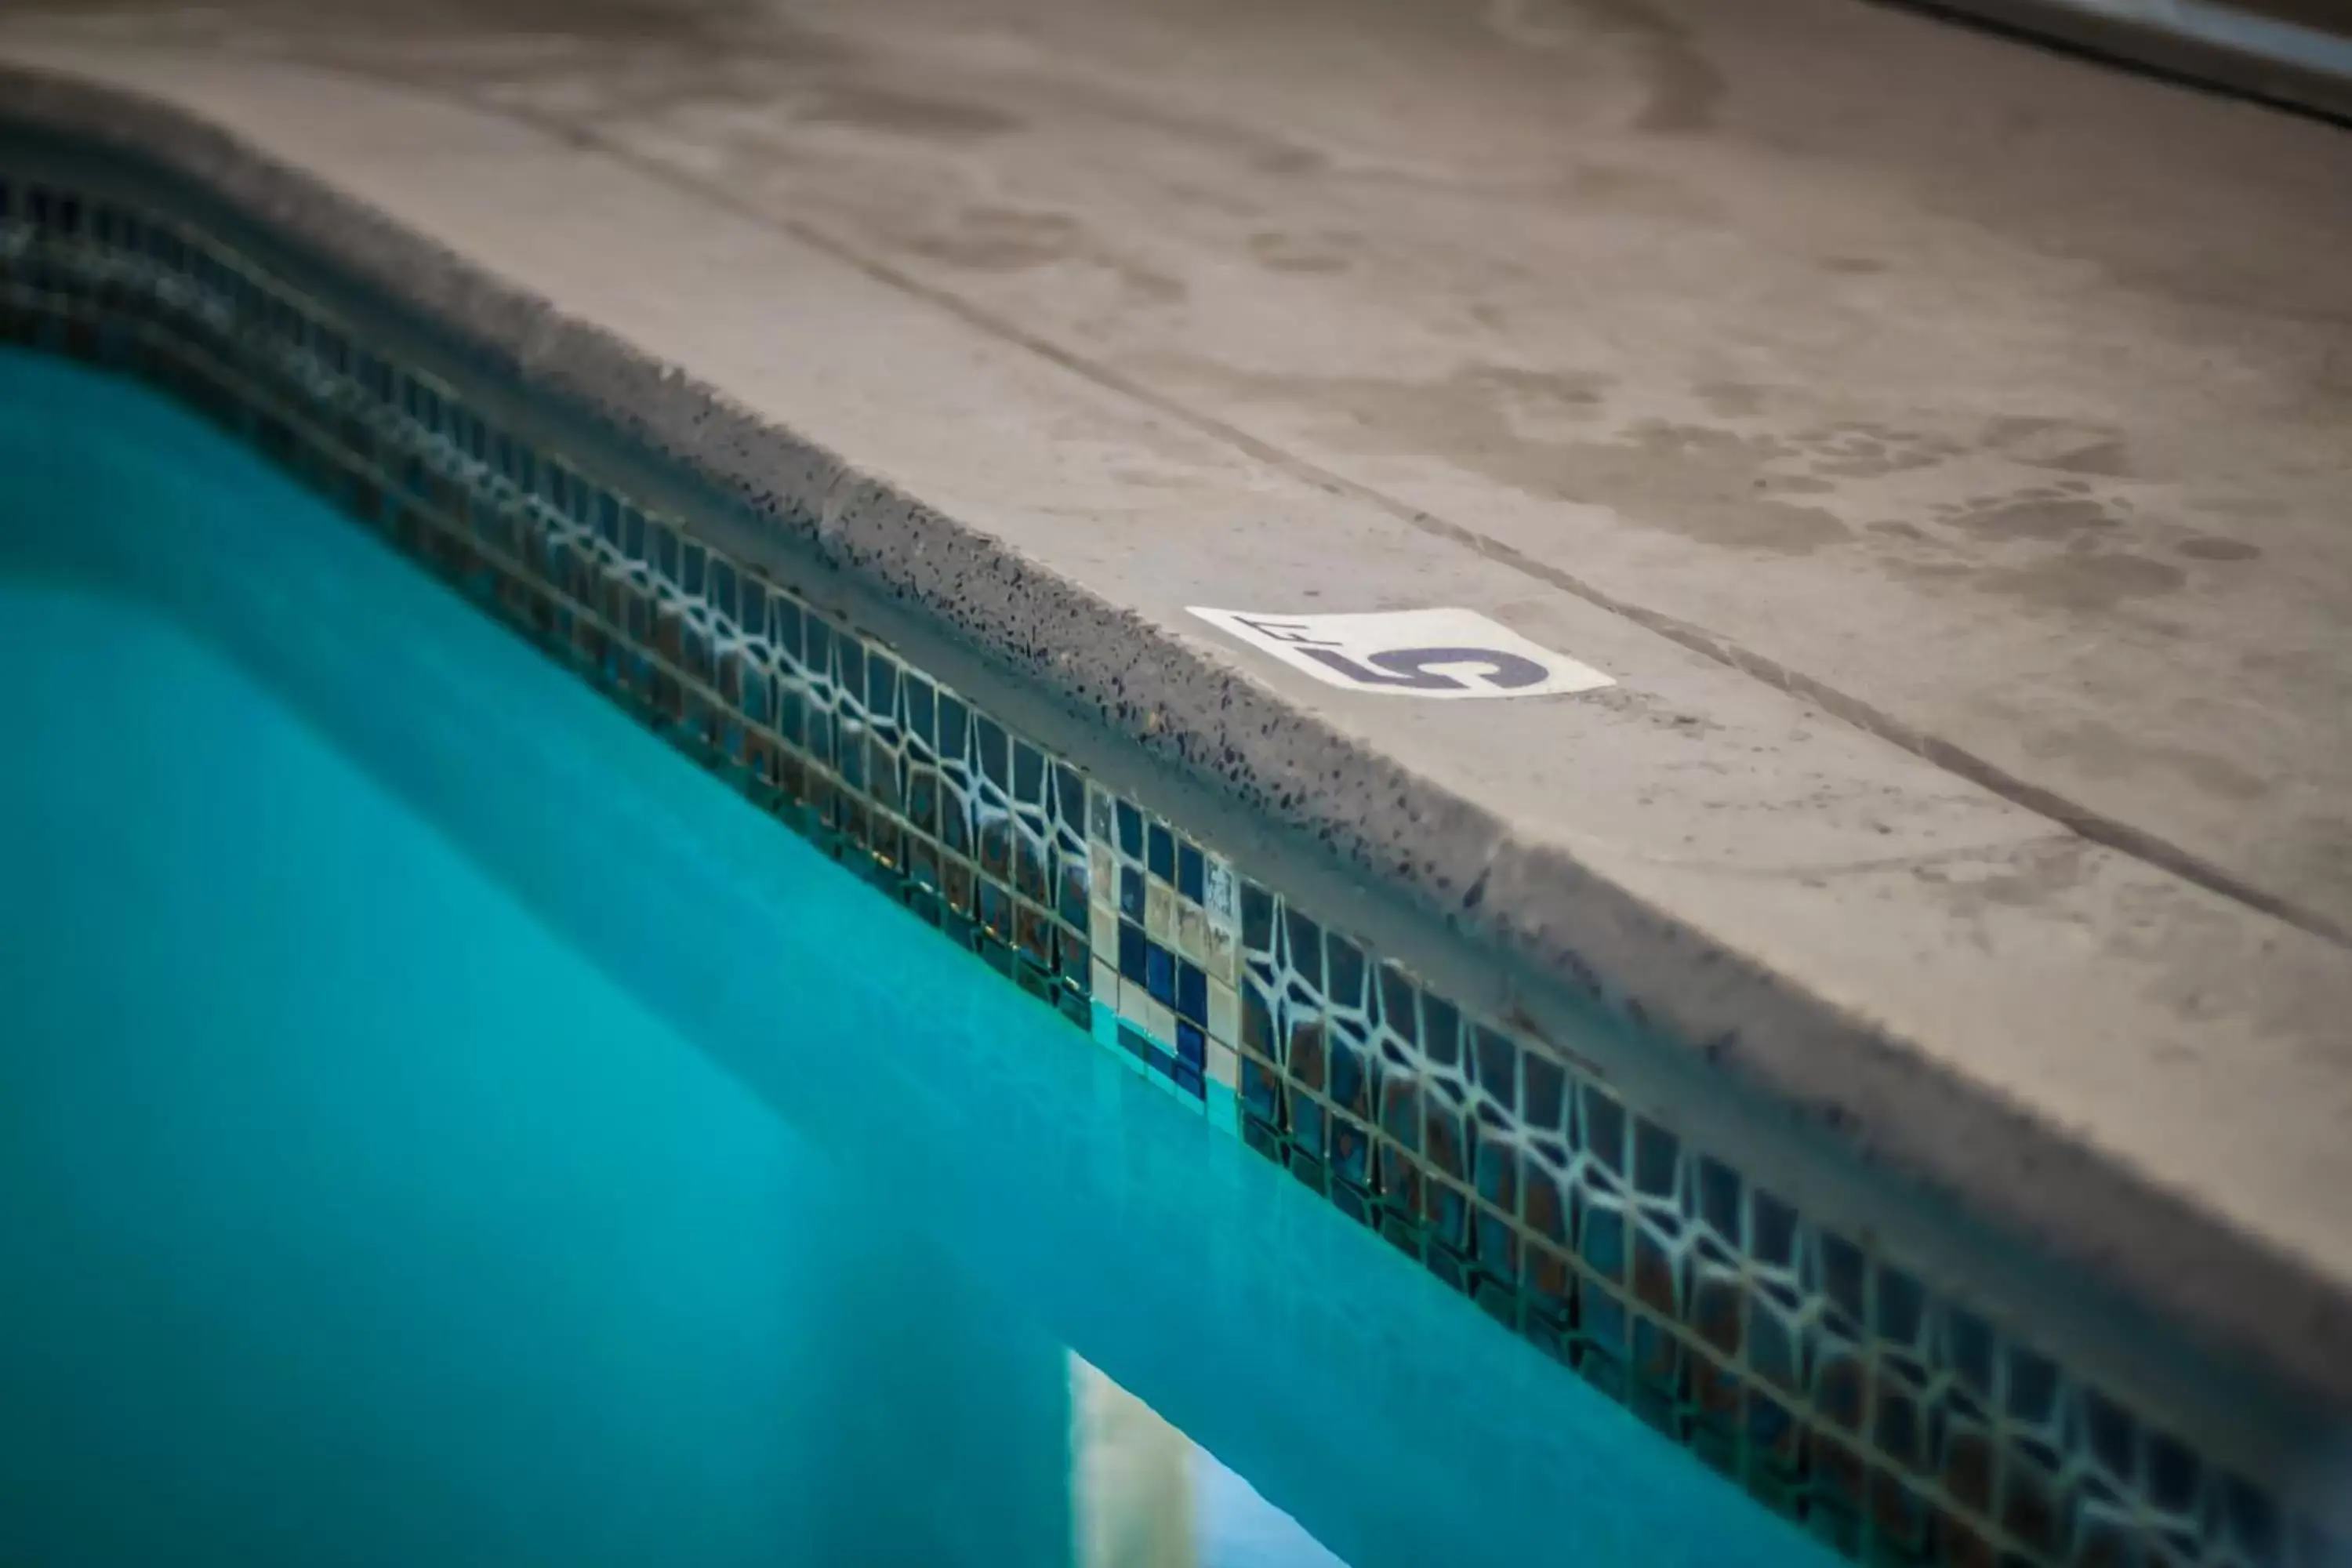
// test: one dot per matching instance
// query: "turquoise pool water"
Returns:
(437, 1124)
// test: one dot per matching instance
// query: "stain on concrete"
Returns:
(2084, 582)
(1622, 188)
(1732, 399)
(1868, 449)
(2322, 847)
(1015, 239)
(2071, 564)
(1683, 86)
(2211, 547)
(2248, 508)
(871, 108)
(1838, 449)
(2067, 446)
(2100, 751)
(1004, 239)
(2046, 516)
(1291, 160)
(1523, 428)
(1324, 253)
(2035, 875)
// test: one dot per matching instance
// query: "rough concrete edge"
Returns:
(2265, 1313)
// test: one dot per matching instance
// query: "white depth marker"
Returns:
(1444, 654)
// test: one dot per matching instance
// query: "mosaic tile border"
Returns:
(1838, 1388)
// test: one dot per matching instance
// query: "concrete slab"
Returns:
(1944, 447)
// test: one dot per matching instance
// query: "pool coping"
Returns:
(1399, 847)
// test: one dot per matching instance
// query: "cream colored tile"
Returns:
(1223, 960)
(1191, 932)
(1103, 928)
(1224, 1018)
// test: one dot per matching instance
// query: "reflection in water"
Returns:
(1144, 1496)
(1131, 1488)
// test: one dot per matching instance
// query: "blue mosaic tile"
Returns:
(1838, 1387)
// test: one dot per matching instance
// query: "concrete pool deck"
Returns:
(1944, 446)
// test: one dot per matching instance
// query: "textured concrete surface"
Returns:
(1945, 446)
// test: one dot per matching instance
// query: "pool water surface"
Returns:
(438, 1124)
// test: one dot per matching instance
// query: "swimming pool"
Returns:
(1898, 1399)
(441, 1124)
